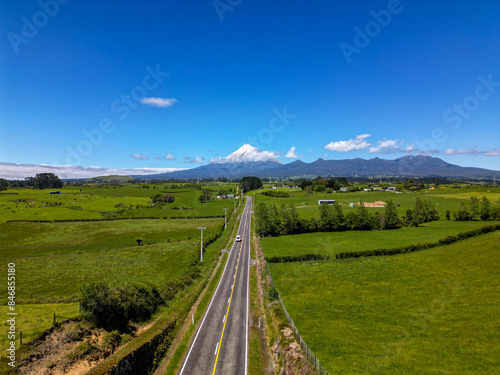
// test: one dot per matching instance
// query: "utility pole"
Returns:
(201, 246)
(225, 215)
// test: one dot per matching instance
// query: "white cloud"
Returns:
(351, 145)
(472, 151)
(218, 159)
(410, 147)
(492, 153)
(385, 144)
(139, 157)
(169, 156)
(196, 160)
(14, 171)
(291, 154)
(159, 102)
(463, 151)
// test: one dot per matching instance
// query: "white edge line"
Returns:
(206, 313)
(217, 347)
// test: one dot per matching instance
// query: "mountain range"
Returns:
(250, 161)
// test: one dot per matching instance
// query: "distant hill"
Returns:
(109, 179)
(249, 161)
(406, 166)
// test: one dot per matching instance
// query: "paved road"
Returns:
(220, 346)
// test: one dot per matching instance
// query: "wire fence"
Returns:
(309, 353)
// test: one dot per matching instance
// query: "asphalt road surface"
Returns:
(220, 345)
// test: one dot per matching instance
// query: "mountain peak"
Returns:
(248, 153)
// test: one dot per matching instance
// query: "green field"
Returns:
(32, 320)
(22, 239)
(331, 243)
(307, 205)
(58, 277)
(429, 312)
(92, 203)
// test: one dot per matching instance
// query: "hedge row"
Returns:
(423, 246)
(296, 258)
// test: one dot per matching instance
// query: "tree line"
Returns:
(475, 210)
(272, 220)
(40, 181)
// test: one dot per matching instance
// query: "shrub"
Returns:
(81, 351)
(140, 301)
(74, 331)
(102, 306)
(276, 193)
(111, 341)
(161, 199)
(296, 258)
(273, 294)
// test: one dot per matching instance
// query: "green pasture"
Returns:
(465, 192)
(22, 239)
(331, 243)
(93, 202)
(307, 205)
(59, 277)
(32, 320)
(430, 312)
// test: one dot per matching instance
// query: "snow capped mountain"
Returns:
(249, 154)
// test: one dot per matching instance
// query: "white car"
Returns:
(238, 238)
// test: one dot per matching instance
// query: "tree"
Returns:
(304, 183)
(161, 199)
(4, 184)
(411, 218)
(474, 208)
(262, 220)
(206, 196)
(331, 218)
(462, 214)
(45, 181)
(120, 207)
(448, 213)
(250, 183)
(485, 209)
(99, 304)
(391, 218)
(320, 188)
(290, 219)
(363, 220)
(424, 211)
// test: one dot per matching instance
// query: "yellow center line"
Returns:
(229, 305)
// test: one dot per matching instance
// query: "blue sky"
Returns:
(173, 84)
